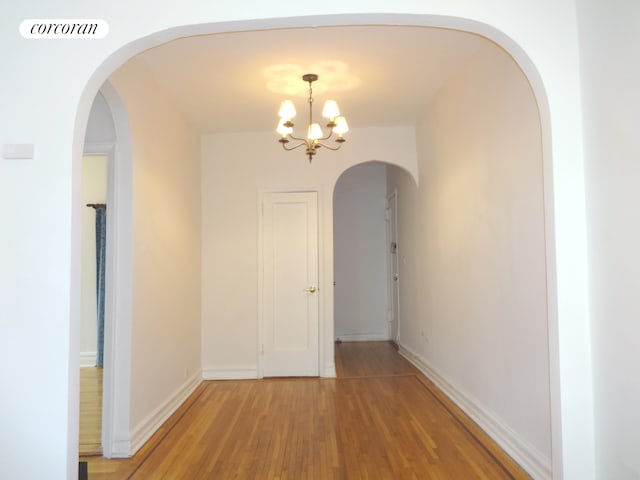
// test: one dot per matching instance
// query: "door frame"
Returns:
(322, 288)
(107, 149)
(392, 227)
(116, 388)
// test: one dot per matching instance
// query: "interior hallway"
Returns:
(381, 418)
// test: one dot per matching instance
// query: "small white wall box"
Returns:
(17, 151)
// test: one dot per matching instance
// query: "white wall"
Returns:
(165, 330)
(472, 255)
(235, 169)
(100, 128)
(62, 78)
(94, 190)
(361, 274)
(610, 54)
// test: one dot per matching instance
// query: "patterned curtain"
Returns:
(101, 250)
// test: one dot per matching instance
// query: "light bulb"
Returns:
(287, 110)
(314, 132)
(341, 126)
(330, 109)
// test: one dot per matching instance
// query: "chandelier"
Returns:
(315, 136)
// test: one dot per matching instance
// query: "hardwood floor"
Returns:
(380, 419)
(90, 441)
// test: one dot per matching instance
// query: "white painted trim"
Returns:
(88, 359)
(237, 373)
(99, 148)
(363, 337)
(260, 303)
(120, 448)
(392, 285)
(534, 462)
(145, 429)
(116, 432)
(330, 371)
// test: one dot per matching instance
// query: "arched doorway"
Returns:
(108, 135)
(366, 270)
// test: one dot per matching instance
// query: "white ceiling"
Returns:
(379, 75)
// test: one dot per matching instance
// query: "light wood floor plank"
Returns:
(380, 419)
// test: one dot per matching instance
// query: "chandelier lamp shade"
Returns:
(315, 138)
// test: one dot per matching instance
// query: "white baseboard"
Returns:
(88, 359)
(121, 449)
(526, 455)
(238, 373)
(250, 373)
(330, 371)
(362, 337)
(145, 429)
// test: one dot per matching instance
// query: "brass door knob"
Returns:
(311, 289)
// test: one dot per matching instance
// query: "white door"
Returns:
(394, 270)
(290, 284)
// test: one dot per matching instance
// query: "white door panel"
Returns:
(290, 295)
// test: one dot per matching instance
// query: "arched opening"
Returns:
(360, 265)
(98, 158)
(366, 267)
(232, 140)
(109, 135)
